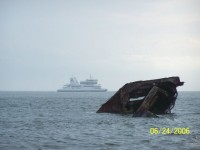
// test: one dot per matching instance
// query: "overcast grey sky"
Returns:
(44, 42)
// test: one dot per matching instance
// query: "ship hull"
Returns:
(81, 90)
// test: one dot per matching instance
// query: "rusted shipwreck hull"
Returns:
(144, 98)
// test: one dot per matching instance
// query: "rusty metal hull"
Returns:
(160, 93)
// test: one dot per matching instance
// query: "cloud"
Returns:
(179, 13)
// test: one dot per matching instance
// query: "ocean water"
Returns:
(68, 121)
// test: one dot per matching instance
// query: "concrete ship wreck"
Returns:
(144, 98)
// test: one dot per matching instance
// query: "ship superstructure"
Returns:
(88, 85)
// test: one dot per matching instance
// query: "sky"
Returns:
(45, 42)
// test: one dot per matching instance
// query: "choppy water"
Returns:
(50, 120)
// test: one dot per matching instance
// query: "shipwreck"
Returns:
(144, 98)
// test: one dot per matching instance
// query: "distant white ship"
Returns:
(89, 85)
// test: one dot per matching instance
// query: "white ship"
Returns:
(89, 85)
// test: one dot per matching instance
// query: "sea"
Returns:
(68, 121)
